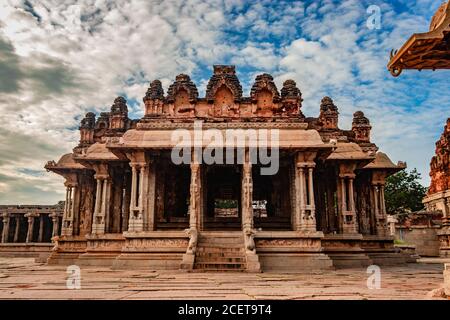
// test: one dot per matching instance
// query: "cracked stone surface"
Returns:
(23, 278)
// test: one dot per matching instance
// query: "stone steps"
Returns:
(220, 266)
(221, 260)
(220, 251)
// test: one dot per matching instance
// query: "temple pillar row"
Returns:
(346, 200)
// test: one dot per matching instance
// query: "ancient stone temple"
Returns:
(130, 205)
(425, 51)
(438, 196)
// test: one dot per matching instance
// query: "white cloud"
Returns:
(64, 58)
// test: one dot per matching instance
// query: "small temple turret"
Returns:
(119, 114)
(87, 126)
(291, 97)
(361, 127)
(329, 114)
(154, 99)
(182, 96)
(224, 76)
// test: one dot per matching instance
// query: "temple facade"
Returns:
(130, 205)
(438, 195)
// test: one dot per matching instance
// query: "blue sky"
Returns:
(60, 60)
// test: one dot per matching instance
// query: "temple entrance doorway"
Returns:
(172, 195)
(272, 205)
(222, 198)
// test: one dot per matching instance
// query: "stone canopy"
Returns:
(425, 51)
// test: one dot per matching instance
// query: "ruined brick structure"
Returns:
(438, 196)
(130, 205)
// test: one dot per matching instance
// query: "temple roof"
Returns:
(429, 50)
(160, 138)
(97, 151)
(67, 161)
(348, 151)
(382, 161)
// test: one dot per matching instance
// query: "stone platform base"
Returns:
(356, 250)
(63, 259)
(291, 251)
(40, 251)
(409, 252)
(67, 250)
(279, 251)
(292, 262)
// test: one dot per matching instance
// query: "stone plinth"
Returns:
(101, 249)
(382, 251)
(345, 250)
(156, 250)
(67, 250)
(291, 251)
(40, 251)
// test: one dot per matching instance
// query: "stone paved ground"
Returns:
(22, 278)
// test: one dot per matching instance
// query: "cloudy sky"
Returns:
(60, 59)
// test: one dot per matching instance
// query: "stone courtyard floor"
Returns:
(22, 278)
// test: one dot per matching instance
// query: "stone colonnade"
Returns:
(140, 200)
(31, 217)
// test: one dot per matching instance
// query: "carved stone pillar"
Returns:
(55, 224)
(305, 211)
(351, 195)
(247, 195)
(295, 194)
(136, 219)
(379, 208)
(30, 231)
(17, 230)
(5, 233)
(67, 228)
(151, 194)
(309, 213)
(194, 202)
(194, 214)
(347, 216)
(446, 213)
(101, 205)
(253, 264)
(41, 227)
